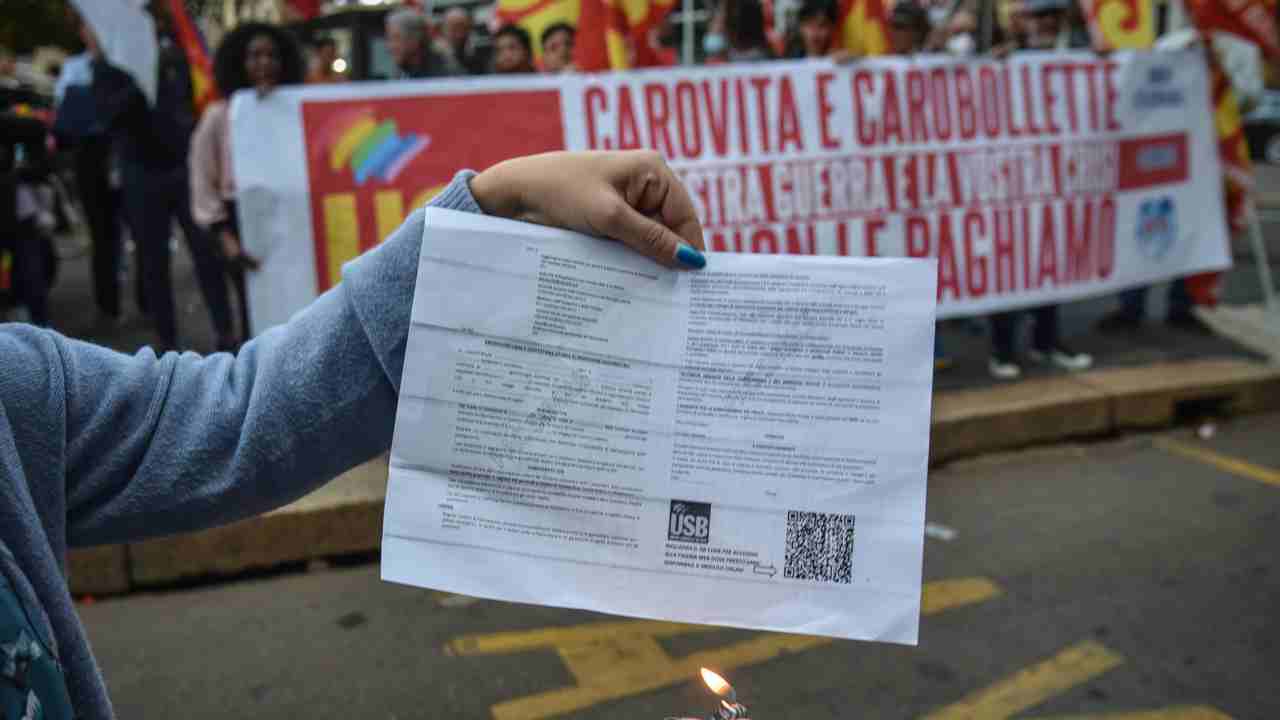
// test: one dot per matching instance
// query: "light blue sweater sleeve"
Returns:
(183, 442)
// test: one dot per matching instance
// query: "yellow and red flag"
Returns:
(1253, 20)
(1121, 24)
(203, 89)
(535, 16)
(611, 34)
(604, 41)
(1130, 24)
(1237, 175)
(863, 27)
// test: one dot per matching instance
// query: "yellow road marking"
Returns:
(942, 595)
(1184, 712)
(1031, 686)
(612, 660)
(1222, 462)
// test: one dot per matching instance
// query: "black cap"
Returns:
(816, 8)
(908, 13)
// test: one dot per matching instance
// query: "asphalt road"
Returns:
(1135, 578)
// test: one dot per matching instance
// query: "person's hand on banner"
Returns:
(632, 197)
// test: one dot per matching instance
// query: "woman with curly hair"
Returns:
(257, 56)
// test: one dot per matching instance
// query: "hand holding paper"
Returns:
(631, 197)
(579, 427)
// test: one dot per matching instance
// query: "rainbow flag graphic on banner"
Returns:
(371, 148)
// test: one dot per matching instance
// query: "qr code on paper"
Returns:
(819, 547)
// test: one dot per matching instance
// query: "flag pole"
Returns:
(1264, 268)
(986, 25)
(686, 43)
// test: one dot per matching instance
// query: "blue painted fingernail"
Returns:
(690, 257)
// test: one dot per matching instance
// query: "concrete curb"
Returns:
(346, 515)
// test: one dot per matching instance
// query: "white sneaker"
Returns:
(1062, 358)
(1003, 369)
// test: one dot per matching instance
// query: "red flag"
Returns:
(604, 39)
(645, 18)
(203, 89)
(1254, 20)
(304, 9)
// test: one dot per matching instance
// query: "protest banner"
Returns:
(1044, 178)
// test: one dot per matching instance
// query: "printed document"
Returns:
(745, 445)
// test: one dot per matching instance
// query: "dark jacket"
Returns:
(157, 137)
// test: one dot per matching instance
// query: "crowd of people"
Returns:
(143, 165)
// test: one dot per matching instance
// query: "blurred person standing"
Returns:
(79, 125)
(457, 35)
(324, 53)
(909, 28)
(512, 51)
(557, 48)
(257, 56)
(1047, 27)
(410, 45)
(153, 141)
(1051, 25)
(737, 33)
(815, 30)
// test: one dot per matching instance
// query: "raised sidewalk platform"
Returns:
(345, 517)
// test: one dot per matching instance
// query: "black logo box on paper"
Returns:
(690, 521)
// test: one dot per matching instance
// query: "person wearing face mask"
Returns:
(152, 140)
(257, 56)
(736, 33)
(958, 34)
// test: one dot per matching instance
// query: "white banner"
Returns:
(1044, 178)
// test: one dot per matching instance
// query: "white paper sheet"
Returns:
(745, 445)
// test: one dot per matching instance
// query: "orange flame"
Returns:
(718, 685)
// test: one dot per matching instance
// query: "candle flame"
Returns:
(718, 685)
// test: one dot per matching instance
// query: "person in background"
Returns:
(815, 30)
(253, 55)
(411, 49)
(457, 34)
(1049, 25)
(909, 28)
(557, 48)
(512, 51)
(26, 210)
(736, 33)
(324, 53)
(78, 125)
(958, 35)
(9, 81)
(153, 140)
(1046, 29)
